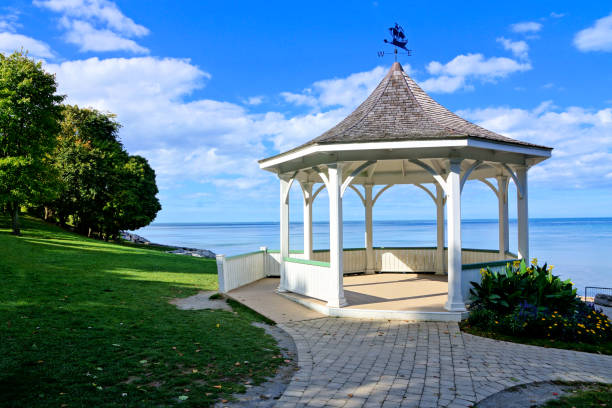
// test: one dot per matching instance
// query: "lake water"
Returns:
(579, 248)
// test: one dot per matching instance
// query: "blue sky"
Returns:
(204, 89)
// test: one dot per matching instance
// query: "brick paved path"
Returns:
(372, 363)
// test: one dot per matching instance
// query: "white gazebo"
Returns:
(398, 135)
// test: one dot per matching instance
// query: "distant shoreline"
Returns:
(468, 220)
(140, 240)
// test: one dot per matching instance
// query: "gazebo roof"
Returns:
(398, 110)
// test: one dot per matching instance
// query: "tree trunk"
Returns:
(15, 220)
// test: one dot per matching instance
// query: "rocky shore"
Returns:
(137, 239)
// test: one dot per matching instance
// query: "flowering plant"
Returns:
(502, 292)
(585, 324)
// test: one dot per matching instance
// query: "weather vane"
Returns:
(398, 40)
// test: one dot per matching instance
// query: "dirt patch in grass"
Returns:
(201, 301)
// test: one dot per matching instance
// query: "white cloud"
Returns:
(557, 15)
(454, 74)
(97, 25)
(301, 99)
(339, 92)
(198, 140)
(103, 11)
(526, 27)
(582, 139)
(8, 22)
(443, 84)
(10, 42)
(254, 100)
(352, 90)
(477, 65)
(88, 38)
(518, 48)
(597, 37)
(219, 143)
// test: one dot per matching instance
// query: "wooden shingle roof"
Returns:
(399, 110)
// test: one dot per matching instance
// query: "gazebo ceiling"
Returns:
(398, 123)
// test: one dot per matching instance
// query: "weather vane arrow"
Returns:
(398, 40)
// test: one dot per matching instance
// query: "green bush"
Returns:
(584, 324)
(536, 285)
(532, 302)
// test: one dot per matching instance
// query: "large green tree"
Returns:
(30, 112)
(134, 204)
(102, 188)
(87, 157)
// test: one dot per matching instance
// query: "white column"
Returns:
(370, 264)
(221, 273)
(264, 260)
(453, 210)
(307, 190)
(284, 231)
(522, 214)
(336, 287)
(440, 230)
(502, 199)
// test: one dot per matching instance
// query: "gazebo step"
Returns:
(412, 315)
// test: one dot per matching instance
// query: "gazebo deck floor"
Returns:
(394, 291)
(397, 296)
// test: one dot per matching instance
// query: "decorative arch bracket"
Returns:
(469, 171)
(355, 189)
(316, 193)
(429, 193)
(306, 191)
(437, 177)
(519, 187)
(291, 179)
(354, 174)
(382, 190)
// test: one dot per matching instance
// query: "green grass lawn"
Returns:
(601, 348)
(588, 396)
(88, 323)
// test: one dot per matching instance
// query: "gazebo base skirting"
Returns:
(308, 281)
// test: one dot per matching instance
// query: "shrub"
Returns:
(532, 302)
(584, 324)
(535, 285)
(482, 318)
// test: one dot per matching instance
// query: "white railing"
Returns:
(308, 278)
(240, 270)
(405, 259)
(354, 260)
(472, 256)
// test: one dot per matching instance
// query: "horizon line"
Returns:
(388, 220)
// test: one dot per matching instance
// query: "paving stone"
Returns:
(407, 364)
